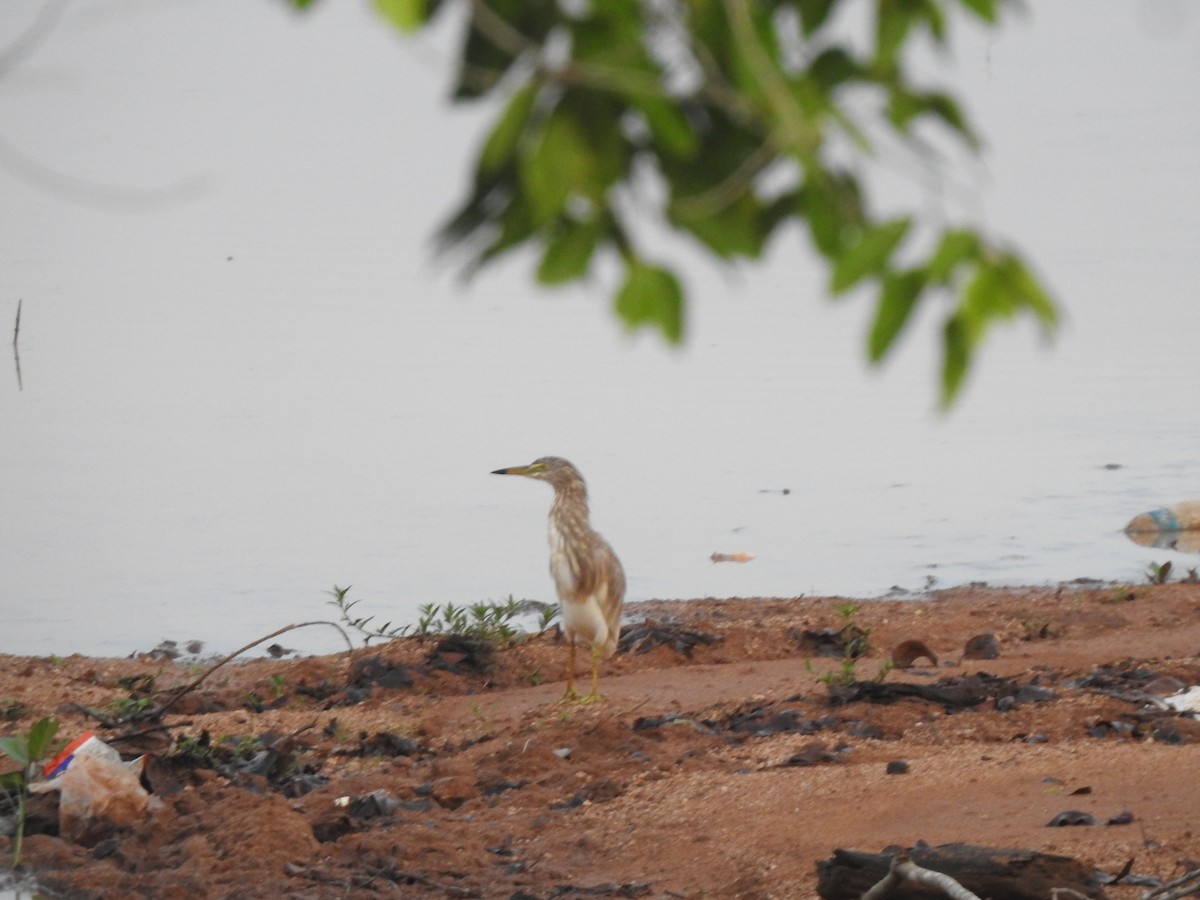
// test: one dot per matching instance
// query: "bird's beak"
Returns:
(514, 470)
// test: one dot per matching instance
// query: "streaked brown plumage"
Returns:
(587, 573)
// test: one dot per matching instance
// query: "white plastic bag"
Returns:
(96, 791)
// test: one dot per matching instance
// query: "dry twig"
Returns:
(1183, 886)
(904, 869)
(188, 688)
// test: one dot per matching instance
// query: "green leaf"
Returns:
(407, 15)
(956, 350)
(832, 205)
(652, 296)
(578, 152)
(893, 18)
(868, 256)
(784, 208)
(559, 160)
(833, 67)
(956, 247)
(16, 748)
(734, 230)
(501, 143)
(985, 9)
(516, 226)
(813, 14)
(897, 299)
(610, 33)
(752, 59)
(986, 297)
(904, 106)
(569, 251)
(484, 59)
(946, 108)
(669, 126)
(41, 736)
(1027, 290)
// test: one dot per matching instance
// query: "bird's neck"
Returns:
(570, 502)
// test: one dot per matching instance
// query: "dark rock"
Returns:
(982, 646)
(376, 670)
(651, 634)
(1072, 817)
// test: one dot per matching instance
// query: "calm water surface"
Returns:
(251, 383)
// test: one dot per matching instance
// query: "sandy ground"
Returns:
(719, 764)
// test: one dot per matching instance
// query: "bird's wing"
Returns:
(613, 596)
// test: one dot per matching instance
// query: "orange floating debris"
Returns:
(732, 557)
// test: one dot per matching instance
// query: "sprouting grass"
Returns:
(27, 750)
(1159, 573)
(488, 622)
(855, 639)
(124, 707)
(847, 674)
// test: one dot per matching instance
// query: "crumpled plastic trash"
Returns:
(97, 791)
(1188, 701)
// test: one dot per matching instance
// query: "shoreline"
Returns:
(719, 734)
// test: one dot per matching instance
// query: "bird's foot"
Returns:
(573, 696)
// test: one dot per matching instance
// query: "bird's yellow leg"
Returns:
(570, 693)
(595, 672)
(593, 696)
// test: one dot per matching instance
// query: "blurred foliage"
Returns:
(728, 119)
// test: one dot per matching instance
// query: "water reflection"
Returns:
(1183, 541)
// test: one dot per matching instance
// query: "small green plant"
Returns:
(193, 750)
(1036, 627)
(842, 677)
(547, 614)
(278, 683)
(362, 624)
(855, 640)
(488, 622)
(847, 611)
(243, 746)
(124, 707)
(847, 674)
(27, 751)
(1159, 573)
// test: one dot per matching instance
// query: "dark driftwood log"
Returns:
(995, 873)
